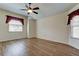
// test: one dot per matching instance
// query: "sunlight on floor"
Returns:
(15, 49)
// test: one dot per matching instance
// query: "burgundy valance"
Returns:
(71, 15)
(14, 18)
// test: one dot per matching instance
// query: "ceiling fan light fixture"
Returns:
(29, 11)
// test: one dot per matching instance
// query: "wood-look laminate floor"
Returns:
(36, 47)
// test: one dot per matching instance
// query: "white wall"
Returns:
(53, 28)
(74, 42)
(4, 33)
(31, 28)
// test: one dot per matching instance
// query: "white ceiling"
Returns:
(46, 9)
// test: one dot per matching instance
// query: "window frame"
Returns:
(71, 27)
(14, 31)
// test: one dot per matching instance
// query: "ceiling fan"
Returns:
(29, 9)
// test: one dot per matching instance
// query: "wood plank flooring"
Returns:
(36, 47)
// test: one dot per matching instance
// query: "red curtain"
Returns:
(14, 18)
(71, 15)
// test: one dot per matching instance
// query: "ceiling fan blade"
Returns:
(23, 9)
(29, 4)
(35, 12)
(26, 5)
(36, 8)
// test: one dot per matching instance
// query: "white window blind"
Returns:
(75, 27)
(15, 26)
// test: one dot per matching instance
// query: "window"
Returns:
(75, 27)
(15, 26)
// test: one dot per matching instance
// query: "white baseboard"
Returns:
(11, 39)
